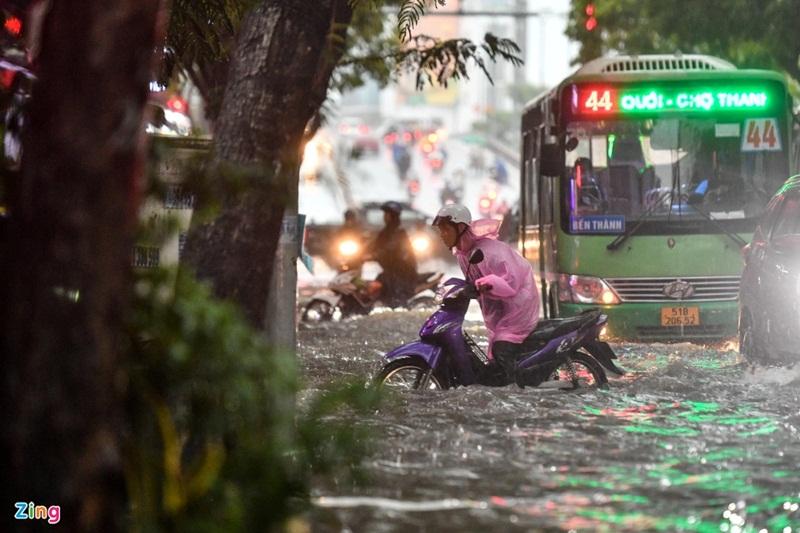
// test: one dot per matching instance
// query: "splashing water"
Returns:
(692, 439)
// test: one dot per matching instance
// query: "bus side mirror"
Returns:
(552, 160)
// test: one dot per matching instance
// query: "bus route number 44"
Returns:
(761, 135)
(596, 102)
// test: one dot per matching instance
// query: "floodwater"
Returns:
(691, 439)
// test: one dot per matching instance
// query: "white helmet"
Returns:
(454, 213)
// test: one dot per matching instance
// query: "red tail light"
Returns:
(178, 104)
(13, 25)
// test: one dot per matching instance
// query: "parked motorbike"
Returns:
(569, 354)
(347, 295)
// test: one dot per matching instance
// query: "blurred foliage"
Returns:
(749, 34)
(436, 62)
(214, 441)
(409, 13)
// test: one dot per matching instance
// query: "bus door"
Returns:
(548, 231)
(537, 232)
(529, 208)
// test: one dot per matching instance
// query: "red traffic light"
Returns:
(591, 22)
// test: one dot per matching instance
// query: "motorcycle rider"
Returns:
(402, 160)
(507, 296)
(393, 251)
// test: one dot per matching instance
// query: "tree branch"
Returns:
(434, 61)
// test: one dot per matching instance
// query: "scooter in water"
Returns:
(348, 294)
(568, 354)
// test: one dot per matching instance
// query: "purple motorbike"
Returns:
(561, 353)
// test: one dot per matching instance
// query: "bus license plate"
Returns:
(680, 316)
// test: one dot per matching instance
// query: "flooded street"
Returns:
(690, 440)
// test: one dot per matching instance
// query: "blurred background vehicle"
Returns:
(417, 224)
(348, 294)
(359, 137)
(169, 115)
(341, 252)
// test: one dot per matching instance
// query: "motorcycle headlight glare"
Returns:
(585, 290)
(421, 243)
(348, 247)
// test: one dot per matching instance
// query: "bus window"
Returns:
(676, 163)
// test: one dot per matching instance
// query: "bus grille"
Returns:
(705, 289)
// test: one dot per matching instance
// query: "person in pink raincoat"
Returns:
(508, 295)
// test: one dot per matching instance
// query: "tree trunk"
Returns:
(67, 266)
(285, 54)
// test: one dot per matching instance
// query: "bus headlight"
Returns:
(348, 248)
(585, 290)
(421, 244)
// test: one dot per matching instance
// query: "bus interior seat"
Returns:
(623, 185)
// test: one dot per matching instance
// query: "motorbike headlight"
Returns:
(348, 247)
(585, 290)
(421, 243)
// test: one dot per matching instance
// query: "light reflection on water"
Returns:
(690, 440)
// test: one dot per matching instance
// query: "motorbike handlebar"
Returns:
(470, 291)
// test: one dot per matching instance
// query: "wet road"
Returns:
(690, 440)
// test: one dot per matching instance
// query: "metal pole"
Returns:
(522, 40)
(280, 327)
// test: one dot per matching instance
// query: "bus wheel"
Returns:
(750, 343)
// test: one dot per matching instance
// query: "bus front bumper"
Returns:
(642, 321)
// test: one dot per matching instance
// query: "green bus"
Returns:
(641, 179)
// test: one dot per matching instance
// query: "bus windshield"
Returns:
(674, 169)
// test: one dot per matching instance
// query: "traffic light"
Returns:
(591, 22)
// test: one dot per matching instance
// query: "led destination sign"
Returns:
(613, 100)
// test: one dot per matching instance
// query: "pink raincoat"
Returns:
(511, 307)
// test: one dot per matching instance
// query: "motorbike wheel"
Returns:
(407, 373)
(318, 311)
(582, 370)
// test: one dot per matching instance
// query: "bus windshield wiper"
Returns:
(616, 243)
(738, 240)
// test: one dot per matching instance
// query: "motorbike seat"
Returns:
(555, 327)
